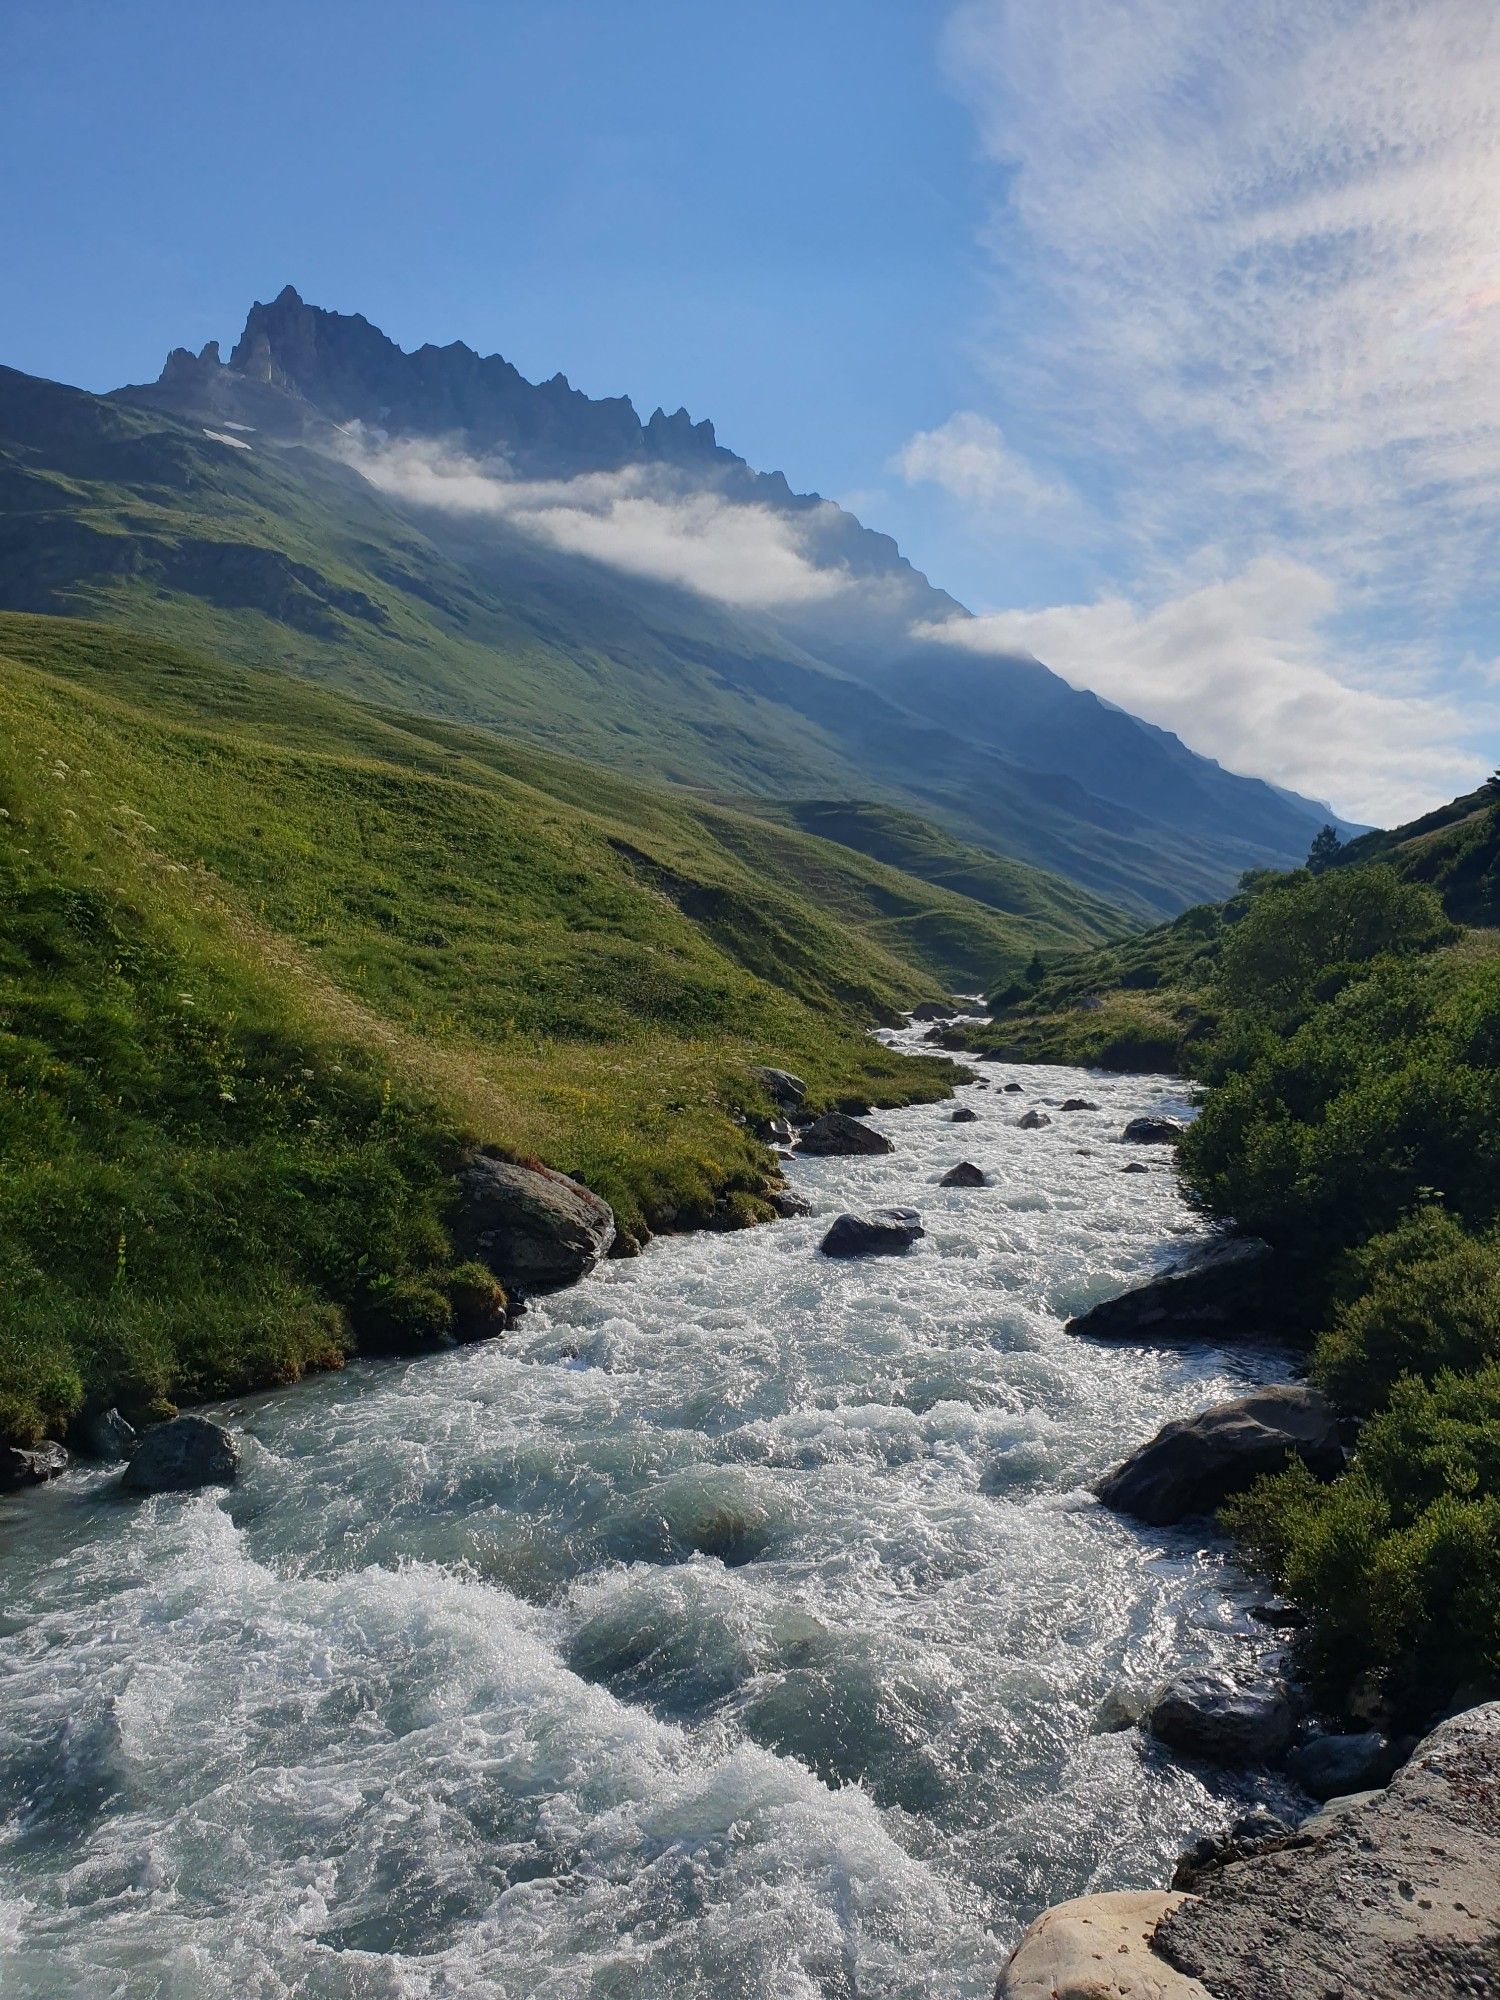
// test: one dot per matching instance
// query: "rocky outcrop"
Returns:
(879, 1232)
(1193, 1465)
(1153, 1131)
(103, 1434)
(181, 1455)
(966, 1175)
(535, 1229)
(1098, 1948)
(1211, 1716)
(30, 1465)
(837, 1133)
(933, 1010)
(1392, 1897)
(787, 1204)
(1223, 1289)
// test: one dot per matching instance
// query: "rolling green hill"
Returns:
(270, 958)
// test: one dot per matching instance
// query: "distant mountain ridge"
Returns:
(241, 506)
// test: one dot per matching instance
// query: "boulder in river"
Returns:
(30, 1465)
(1011, 1089)
(933, 1010)
(103, 1434)
(837, 1133)
(878, 1232)
(965, 1115)
(1329, 1767)
(787, 1204)
(965, 1174)
(535, 1229)
(1135, 1167)
(785, 1091)
(1393, 1895)
(1221, 1289)
(1033, 1121)
(1153, 1131)
(1097, 1948)
(1078, 1104)
(178, 1456)
(1193, 1465)
(1207, 1714)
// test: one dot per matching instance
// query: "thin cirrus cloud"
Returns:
(1247, 268)
(1243, 666)
(637, 519)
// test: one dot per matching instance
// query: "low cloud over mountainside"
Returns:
(435, 532)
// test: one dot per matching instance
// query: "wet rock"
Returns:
(1097, 1948)
(877, 1232)
(775, 1131)
(1209, 1715)
(535, 1229)
(1135, 1167)
(1011, 1089)
(1250, 1835)
(784, 1090)
(1224, 1288)
(1078, 1104)
(1327, 1767)
(965, 1115)
(1153, 1131)
(30, 1465)
(787, 1205)
(104, 1434)
(837, 1133)
(1193, 1465)
(1033, 1121)
(965, 1174)
(184, 1454)
(1390, 1897)
(933, 1010)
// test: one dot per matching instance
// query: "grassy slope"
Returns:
(277, 555)
(268, 958)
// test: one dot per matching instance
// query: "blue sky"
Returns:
(1172, 352)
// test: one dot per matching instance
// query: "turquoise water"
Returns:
(740, 1626)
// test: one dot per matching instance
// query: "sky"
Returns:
(1165, 334)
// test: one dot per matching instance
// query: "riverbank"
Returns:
(741, 1622)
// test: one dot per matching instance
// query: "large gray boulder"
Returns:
(965, 1115)
(1193, 1465)
(965, 1175)
(1208, 1714)
(30, 1465)
(785, 1091)
(1392, 1897)
(535, 1229)
(1153, 1131)
(837, 1133)
(1222, 1289)
(1033, 1121)
(178, 1456)
(880, 1232)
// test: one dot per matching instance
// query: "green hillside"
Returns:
(270, 959)
(273, 553)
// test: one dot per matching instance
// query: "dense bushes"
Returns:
(1399, 1561)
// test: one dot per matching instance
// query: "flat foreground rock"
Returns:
(1098, 1948)
(1395, 1898)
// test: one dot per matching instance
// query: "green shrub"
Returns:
(1420, 1300)
(1398, 1561)
(1303, 930)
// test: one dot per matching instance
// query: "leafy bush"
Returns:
(1303, 930)
(1421, 1300)
(1398, 1561)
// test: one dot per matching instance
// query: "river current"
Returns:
(741, 1627)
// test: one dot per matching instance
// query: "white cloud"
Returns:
(968, 457)
(1243, 668)
(639, 519)
(1247, 266)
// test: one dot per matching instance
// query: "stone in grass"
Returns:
(181, 1455)
(965, 1175)
(535, 1229)
(879, 1232)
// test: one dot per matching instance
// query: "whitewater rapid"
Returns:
(741, 1627)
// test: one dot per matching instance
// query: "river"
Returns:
(740, 1627)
